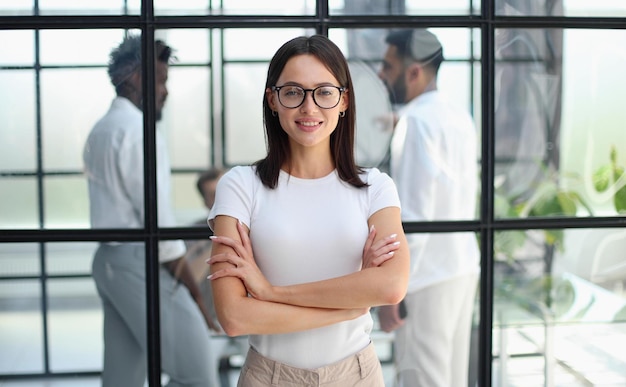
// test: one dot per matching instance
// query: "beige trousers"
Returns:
(362, 369)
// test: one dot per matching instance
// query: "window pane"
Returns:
(66, 202)
(18, 203)
(21, 327)
(106, 7)
(456, 80)
(186, 117)
(408, 7)
(75, 325)
(573, 8)
(65, 133)
(234, 7)
(16, 7)
(70, 258)
(188, 202)
(88, 47)
(558, 117)
(19, 48)
(257, 44)
(244, 133)
(19, 259)
(560, 308)
(17, 113)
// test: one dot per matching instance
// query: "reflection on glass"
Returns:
(559, 303)
(557, 121)
(19, 259)
(21, 329)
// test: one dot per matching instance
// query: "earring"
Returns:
(342, 114)
(274, 113)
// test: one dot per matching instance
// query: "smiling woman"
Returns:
(311, 280)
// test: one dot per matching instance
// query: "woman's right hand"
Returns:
(375, 254)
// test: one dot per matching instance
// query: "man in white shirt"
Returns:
(434, 165)
(113, 158)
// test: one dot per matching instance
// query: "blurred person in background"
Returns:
(114, 159)
(433, 161)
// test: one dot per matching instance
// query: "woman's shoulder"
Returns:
(374, 175)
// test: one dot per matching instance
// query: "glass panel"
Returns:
(188, 202)
(64, 135)
(448, 274)
(573, 8)
(19, 203)
(16, 7)
(186, 117)
(106, 7)
(75, 325)
(19, 48)
(18, 142)
(19, 259)
(66, 202)
(234, 7)
(238, 44)
(244, 133)
(455, 81)
(21, 326)
(69, 258)
(89, 47)
(560, 307)
(558, 118)
(404, 7)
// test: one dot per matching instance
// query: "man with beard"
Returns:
(434, 165)
(114, 159)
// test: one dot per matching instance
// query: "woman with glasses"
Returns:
(305, 240)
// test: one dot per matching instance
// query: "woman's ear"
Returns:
(345, 101)
(271, 99)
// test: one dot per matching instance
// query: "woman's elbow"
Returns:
(231, 325)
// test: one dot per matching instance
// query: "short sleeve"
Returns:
(382, 191)
(234, 195)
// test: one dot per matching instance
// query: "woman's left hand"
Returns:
(244, 265)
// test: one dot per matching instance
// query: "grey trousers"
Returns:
(119, 274)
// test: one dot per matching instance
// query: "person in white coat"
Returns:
(433, 161)
(113, 158)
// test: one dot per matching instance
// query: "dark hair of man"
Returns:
(125, 59)
(209, 175)
(341, 140)
(402, 40)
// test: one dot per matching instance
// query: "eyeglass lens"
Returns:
(326, 97)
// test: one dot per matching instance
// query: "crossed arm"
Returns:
(246, 303)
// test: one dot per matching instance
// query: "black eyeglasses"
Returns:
(326, 97)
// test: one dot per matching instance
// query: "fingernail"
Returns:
(372, 228)
(395, 243)
(391, 253)
(393, 236)
(210, 276)
(212, 237)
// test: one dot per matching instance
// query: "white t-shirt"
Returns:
(434, 163)
(306, 230)
(113, 158)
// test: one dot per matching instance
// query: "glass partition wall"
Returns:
(541, 79)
